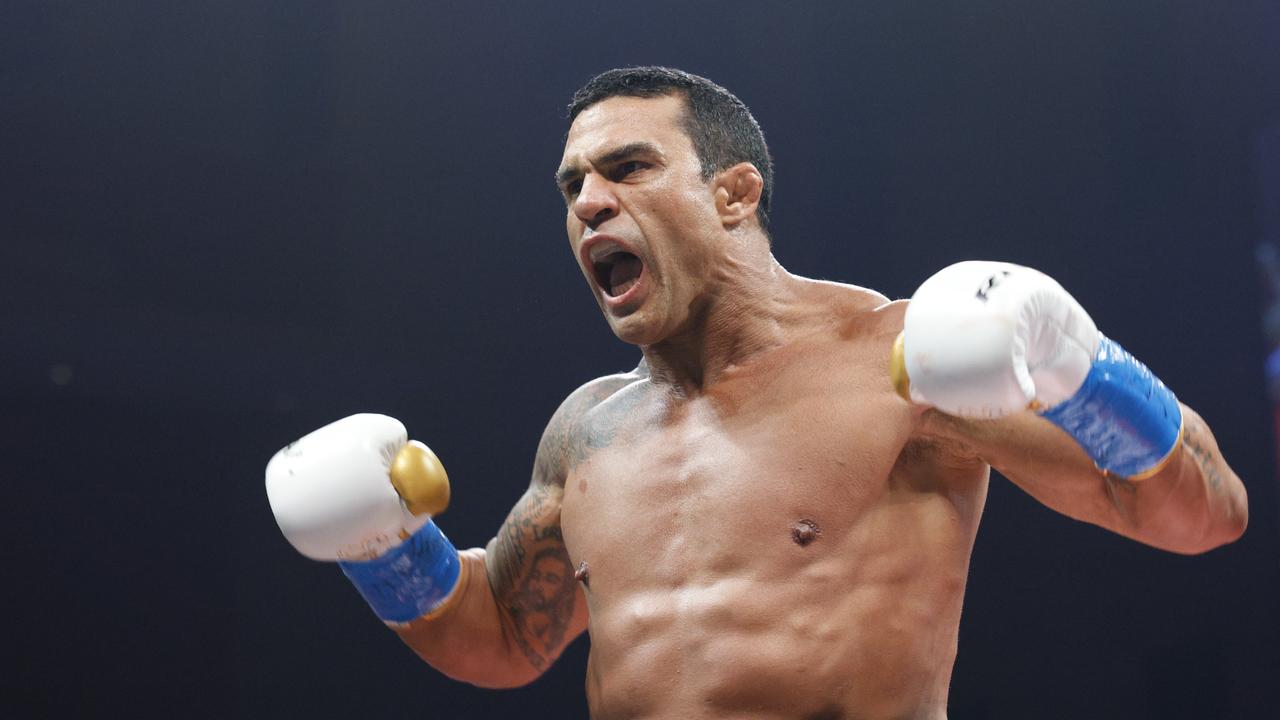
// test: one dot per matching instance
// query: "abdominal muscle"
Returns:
(860, 623)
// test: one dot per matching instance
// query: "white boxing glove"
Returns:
(987, 339)
(359, 492)
(334, 494)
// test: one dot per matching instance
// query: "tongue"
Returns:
(623, 274)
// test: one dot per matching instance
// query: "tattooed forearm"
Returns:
(1194, 443)
(1120, 491)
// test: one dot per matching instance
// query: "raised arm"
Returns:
(1193, 504)
(518, 605)
(1018, 376)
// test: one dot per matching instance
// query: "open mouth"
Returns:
(617, 272)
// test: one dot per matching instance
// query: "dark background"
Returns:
(225, 224)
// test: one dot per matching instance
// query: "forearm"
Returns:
(470, 638)
(1194, 504)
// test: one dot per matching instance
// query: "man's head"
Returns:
(666, 178)
(721, 128)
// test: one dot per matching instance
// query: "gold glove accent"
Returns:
(898, 369)
(419, 478)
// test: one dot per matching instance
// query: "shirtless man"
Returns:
(753, 523)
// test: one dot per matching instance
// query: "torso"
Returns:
(788, 543)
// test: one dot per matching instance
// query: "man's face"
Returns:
(642, 222)
(547, 580)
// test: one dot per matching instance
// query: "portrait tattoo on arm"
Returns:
(532, 577)
(529, 568)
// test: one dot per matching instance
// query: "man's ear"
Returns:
(737, 193)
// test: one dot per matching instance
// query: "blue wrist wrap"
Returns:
(1123, 416)
(411, 579)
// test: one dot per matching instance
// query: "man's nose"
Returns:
(595, 202)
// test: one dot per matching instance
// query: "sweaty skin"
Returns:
(752, 523)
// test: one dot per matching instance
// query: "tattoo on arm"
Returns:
(532, 577)
(1119, 484)
(611, 408)
(1196, 445)
(529, 567)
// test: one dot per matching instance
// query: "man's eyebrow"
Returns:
(567, 173)
(571, 172)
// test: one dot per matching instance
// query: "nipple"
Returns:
(805, 531)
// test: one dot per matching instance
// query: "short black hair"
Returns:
(719, 125)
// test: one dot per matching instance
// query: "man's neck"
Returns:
(749, 312)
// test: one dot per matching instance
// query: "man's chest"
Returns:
(760, 470)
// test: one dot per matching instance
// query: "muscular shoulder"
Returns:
(565, 438)
(844, 296)
(867, 306)
(857, 311)
(873, 318)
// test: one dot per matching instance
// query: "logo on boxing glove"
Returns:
(991, 284)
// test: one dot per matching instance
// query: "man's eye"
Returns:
(573, 188)
(626, 168)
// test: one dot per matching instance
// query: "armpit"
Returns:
(952, 436)
(946, 440)
(932, 464)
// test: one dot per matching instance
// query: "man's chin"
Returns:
(632, 337)
(633, 330)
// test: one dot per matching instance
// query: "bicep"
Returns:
(529, 569)
(532, 578)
